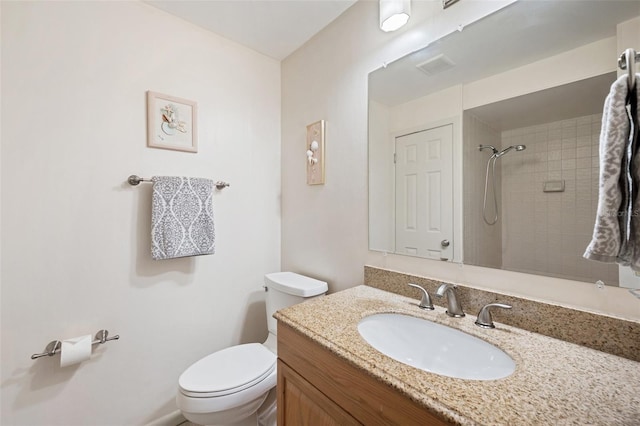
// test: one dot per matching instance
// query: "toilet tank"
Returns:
(286, 289)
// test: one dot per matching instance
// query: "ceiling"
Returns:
(275, 28)
(577, 99)
(519, 34)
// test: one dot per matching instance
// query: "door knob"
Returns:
(444, 243)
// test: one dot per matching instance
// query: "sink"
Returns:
(435, 347)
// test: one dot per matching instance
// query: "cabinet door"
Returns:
(300, 404)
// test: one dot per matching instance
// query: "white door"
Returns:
(424, 193)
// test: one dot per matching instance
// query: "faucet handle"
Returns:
(484, 316)
(425, 302)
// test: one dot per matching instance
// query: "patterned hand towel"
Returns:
(181, 217)
(611, 236)
(630, 252)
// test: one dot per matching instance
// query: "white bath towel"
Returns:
(181, 217)
(614, 237)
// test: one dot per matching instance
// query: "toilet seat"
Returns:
(228, 371)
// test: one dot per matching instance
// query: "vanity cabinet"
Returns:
(317, 387)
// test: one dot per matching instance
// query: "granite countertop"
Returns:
(555, 382)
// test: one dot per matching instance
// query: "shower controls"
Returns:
(491, 167)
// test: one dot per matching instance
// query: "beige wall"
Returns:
(382, 178)
(324, 227)
(482, 242)
(75, 236)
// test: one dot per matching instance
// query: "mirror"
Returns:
(526, 83)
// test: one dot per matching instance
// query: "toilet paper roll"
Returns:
(75, 350)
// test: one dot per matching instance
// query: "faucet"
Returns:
(484, 316)
(425, 302)
(454, 309)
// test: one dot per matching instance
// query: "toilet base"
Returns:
(259, 412)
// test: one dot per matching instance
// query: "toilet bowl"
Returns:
(236, 385)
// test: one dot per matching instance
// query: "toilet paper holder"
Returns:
(54, 346)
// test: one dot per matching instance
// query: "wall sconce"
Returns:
(394, 14)
(315, 153)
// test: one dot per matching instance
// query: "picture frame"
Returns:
(315, 153)
(172, 122)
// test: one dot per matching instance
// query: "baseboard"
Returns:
(172, 419)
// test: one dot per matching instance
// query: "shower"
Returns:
(491, 165)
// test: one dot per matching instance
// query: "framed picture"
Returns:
(172, 123)
(315, 153)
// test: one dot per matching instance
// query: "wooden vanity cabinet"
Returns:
(316, 387)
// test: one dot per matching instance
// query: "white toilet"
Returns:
(236, 385)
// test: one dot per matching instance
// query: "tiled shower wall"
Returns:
(547, 232)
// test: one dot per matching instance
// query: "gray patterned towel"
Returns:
(614, 237)
(181, 217)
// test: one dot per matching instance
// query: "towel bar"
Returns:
(135, 180)
(54, 346)
(627, 61)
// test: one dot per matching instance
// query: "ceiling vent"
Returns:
(436, 65)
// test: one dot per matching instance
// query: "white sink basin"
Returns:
(435, 348)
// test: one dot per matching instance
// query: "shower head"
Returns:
(516, 147)
(491, 147)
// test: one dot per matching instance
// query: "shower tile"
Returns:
(555, 125)
(569, 154)
(584, 163)
(583, 173)
(540, 128)
(554, 144)
(583, 120)
(569, 143)
(569, 164)
(542, 135)
(583, 152)
(569, 132)
(583, 141)
(555, 174)
(583, 130)
(554, 155)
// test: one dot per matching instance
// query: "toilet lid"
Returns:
(229, 370)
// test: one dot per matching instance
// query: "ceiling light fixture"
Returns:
(394, 14)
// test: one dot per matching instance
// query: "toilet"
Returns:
(236, 385)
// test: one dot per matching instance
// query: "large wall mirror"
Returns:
(483, 146)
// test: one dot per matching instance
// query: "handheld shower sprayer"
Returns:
(499, 154)
(516, 147)
(491, 167)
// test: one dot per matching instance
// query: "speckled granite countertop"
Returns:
(555, 382)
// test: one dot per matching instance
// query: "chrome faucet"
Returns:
(454, 309)
(425, 302)
(484, 316)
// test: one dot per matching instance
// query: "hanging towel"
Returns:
(612, 240)
(630, 252)
(181, 217)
